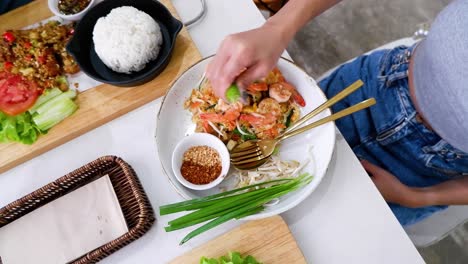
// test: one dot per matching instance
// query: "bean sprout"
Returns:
(273, 169)
(215, 128)
(240, 130)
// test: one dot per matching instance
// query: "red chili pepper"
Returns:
(72, 31)
(28, 57)
(27, 45)
(9, 37)
(41, 59)
(8, 65)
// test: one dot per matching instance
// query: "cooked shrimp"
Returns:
(279, 93)
(228, 118)
(269, 105)
(257, 87)
(263, 114)
(272, 132)
(258, 120)
(265, 126)
(230, 115)
(222, 106)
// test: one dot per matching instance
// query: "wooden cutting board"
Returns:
(98, 105)
(268, 240)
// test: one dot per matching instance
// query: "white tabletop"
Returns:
(344, 221)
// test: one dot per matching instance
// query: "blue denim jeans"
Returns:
(8, 5)
(390, 134)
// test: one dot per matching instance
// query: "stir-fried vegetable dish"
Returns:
(39, 54)
(34, 92)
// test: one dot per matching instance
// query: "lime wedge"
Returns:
(233, 93)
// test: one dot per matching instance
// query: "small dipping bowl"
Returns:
(53, 6)
(200, 139)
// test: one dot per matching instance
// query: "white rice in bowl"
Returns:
(127, 39)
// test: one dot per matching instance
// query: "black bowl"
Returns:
(81, 46)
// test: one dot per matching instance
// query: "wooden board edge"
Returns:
(274, 220)
(45, 146)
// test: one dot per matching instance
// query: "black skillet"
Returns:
(81, 46)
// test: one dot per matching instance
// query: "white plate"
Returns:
(174, 123)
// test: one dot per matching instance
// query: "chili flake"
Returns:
(201, 165)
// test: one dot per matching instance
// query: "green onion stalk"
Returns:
(235, 204)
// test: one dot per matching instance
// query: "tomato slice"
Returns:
(17, 94)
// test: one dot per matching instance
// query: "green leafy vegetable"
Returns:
(225, 206)
(231, 258)
(243, 136)
(50, 108)
(19, 128)
(288, 118)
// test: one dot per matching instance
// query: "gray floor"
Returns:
(354, 27)
(452, 249)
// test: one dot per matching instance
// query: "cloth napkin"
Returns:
(65, 228)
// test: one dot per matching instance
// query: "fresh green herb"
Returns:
(248, 137)
(243, 136)
(225, 206)
(288, 118)
(231, 258)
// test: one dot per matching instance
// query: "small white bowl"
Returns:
(200, 139)
(53, 6)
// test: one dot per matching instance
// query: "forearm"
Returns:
(453, 192)
(296, 13)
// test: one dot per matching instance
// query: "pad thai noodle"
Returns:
(272, 105)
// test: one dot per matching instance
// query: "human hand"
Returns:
(245, 57)
(390, 187)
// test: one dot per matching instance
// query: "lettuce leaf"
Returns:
(19, 128)
(231, 258)
(50, 109)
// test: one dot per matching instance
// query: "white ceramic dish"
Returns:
(317, 145)
(53, 6)
(200, 139)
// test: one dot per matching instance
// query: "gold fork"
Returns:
(254, 153)
(345, 92)
(330, 102)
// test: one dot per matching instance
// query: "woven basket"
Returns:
(135, 205)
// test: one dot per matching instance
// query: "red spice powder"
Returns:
(201, 165)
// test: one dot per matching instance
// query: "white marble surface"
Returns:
(344, 221)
